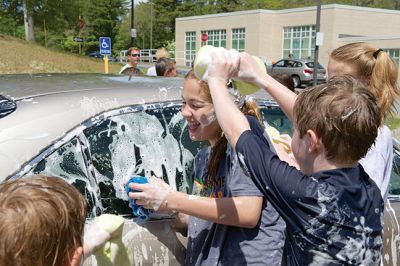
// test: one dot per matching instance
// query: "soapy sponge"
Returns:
(203, 60)
(114, 251)
(137, 211)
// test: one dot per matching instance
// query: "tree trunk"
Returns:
(28, 22)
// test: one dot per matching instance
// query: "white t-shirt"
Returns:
(151, 71)
(379, 159)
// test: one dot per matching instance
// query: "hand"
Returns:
(249, 70)
(180, 223)
(94, 238)
(224, 65)
(152, 195)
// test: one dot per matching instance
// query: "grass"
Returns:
(393, 122)
(19, 56)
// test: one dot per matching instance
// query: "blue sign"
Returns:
(105, 45)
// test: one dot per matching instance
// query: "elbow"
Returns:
(250, 222)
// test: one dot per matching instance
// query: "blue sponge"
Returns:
(137, 211)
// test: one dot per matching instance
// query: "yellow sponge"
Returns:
(277, 138)
(114, 251)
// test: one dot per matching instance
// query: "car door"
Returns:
(135, 140)
(279, 67)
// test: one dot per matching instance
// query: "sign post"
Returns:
(105, 49)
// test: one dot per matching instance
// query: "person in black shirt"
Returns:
(331, 207)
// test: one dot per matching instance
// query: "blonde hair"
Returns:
(343, 113)
(131, 49)
(376, 68)
(218, 151)
(41, 221)
(161, 53)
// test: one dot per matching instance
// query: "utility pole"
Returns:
(151, 24)
(317, 28)
(133, 31)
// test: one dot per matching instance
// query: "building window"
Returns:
(238, 37)
(190, 47)
(394, 54)
(216, 38)
(299, 41)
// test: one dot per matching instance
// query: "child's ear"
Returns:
(314, 141)
(77, 258)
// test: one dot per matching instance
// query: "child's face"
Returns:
(199, 113)
(300, 151)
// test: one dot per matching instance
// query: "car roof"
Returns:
(50, 105)
(297, 59)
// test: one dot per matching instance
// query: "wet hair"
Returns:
(41, 221)
(285, 79)
(218, 151)
(164, 66)
(161, 52)
(343, 113)
(376, 68)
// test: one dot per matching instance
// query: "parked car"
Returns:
(301, 70)
(100, 56)
(93, 130)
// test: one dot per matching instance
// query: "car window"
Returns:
(281, 63)
(297, 64)
(311, 65)
(151, 142)
(67, 162)
(394, 186)
(275, 117)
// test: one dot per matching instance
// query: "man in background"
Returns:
(130, 68)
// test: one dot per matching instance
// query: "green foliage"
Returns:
(393, 122)
(55, 22)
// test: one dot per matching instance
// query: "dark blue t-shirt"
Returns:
(332, 217)
(217, 244)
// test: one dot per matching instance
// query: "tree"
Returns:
(28, 21)
(103, 18)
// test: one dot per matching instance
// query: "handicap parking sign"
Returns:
(105, 45)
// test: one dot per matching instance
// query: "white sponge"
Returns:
(203, 60)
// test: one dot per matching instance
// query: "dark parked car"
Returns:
(100, 56)
(301, 70)
(94, 130)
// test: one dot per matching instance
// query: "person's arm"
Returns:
(243, 211)
(249, 71)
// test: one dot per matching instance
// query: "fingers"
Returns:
(138, 187)
(137, 195)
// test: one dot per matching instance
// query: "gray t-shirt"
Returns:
(379, 159)
(216, 244)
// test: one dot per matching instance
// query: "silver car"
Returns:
(94, 130)
(301, 70)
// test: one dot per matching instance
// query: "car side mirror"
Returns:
(7, 106)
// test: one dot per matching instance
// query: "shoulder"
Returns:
(123, 68)
(384, 140)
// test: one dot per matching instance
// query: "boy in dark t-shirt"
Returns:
(332, 209)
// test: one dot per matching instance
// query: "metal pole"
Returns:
(317, 26)
(132, 17)
(151, 25)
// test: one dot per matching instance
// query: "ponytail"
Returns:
(383, 83)
(374, 67)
